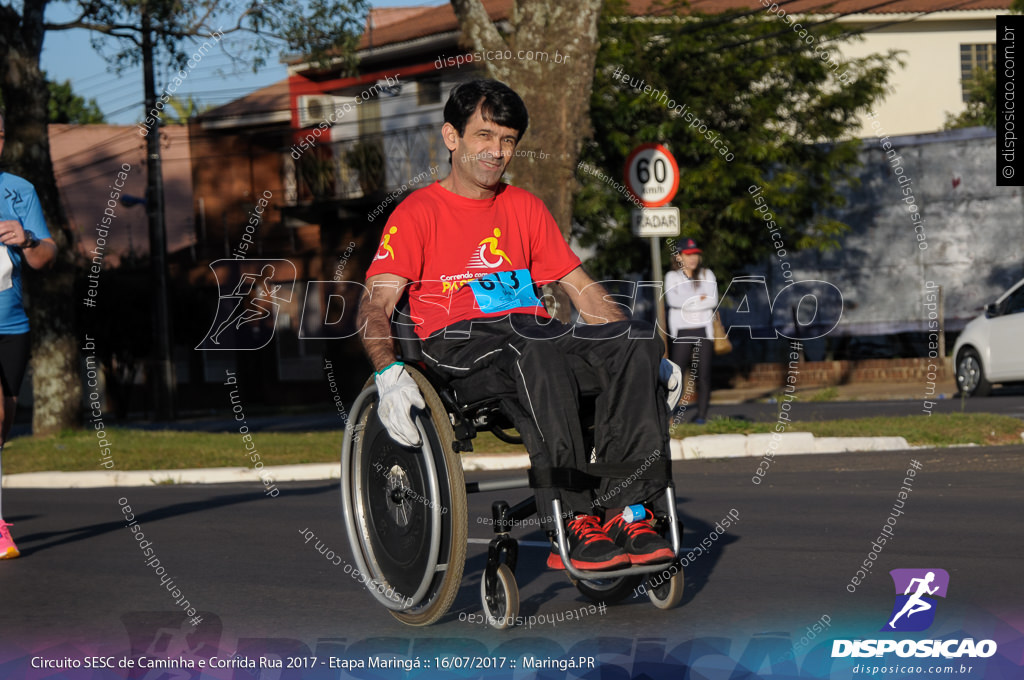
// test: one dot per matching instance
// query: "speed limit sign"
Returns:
(652, 175)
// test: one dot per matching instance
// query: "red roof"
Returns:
(418, 22)
(385, 16)
(852, 6)
(273, 97)
(426, 22)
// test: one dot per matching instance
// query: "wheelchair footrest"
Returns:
(563, 545)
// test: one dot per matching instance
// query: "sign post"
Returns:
(652, 176)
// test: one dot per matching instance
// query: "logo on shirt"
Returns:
(12, 196)
(454, 283)
(488, 255)
(384, 250)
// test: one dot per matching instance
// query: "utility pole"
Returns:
(163, 373)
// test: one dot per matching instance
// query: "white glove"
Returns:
(398, 393)
(672, 377)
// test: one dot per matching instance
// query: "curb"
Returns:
(777, 444)
(233, 475)
(692, 448)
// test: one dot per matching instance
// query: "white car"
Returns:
(989, 349)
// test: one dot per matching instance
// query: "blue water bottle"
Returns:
(634, 513)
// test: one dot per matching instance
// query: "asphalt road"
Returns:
(240, 559)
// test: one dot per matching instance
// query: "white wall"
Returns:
(928, 86)
(972, 230)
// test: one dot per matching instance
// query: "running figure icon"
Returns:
(250, 308)
(916, 604)
(916, 598)
(250, 295)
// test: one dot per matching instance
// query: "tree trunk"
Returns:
(48, 294)
(556, 91)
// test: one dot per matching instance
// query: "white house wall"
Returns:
(928, 86)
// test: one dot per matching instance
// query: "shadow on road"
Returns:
(531, 568)
(40, 541)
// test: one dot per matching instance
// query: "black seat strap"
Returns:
(659, 470)
(576, 480)
(570, 479)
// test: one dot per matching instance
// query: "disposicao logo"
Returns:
(914, 610)
(251, 293)
(916, 589)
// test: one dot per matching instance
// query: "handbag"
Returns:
(722, 344)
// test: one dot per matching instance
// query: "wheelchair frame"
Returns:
(373, 513)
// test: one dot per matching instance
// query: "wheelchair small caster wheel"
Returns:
(668, 593)
(501, 605)
(608, 590)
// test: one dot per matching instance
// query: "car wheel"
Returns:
(970, 376)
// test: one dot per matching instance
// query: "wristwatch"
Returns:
(31, 241)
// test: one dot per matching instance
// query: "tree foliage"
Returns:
(67, 107)
(178, 110)
(781, 110)
(324, 30)
(981, 102)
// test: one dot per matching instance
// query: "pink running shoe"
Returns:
(8, 551)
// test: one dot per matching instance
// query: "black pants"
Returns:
(530, 360)
(14, 350)
(692, 353)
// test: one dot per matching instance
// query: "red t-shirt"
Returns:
(467, 258)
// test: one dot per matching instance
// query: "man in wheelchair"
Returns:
(471, 251)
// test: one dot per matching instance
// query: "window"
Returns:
(1015, 303)
(428, 92)
(973, 57)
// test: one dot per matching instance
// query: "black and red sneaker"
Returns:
(589, 547)
(639, 539)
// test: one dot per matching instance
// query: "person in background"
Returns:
(24, 238)
(691, 297)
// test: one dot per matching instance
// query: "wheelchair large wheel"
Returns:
(405, 508)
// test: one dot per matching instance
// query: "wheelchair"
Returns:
(405, 509)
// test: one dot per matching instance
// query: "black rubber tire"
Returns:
(506, 599)
(451, 487)
(970, 374)
(451, 578)
(608, 590)
(668, 593)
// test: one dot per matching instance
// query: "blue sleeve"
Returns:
(19, 201)
(31, 213)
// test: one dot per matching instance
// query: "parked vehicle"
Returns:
(989, 350)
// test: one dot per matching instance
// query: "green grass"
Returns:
(922, 430)
(174, 450)
(827, 394)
